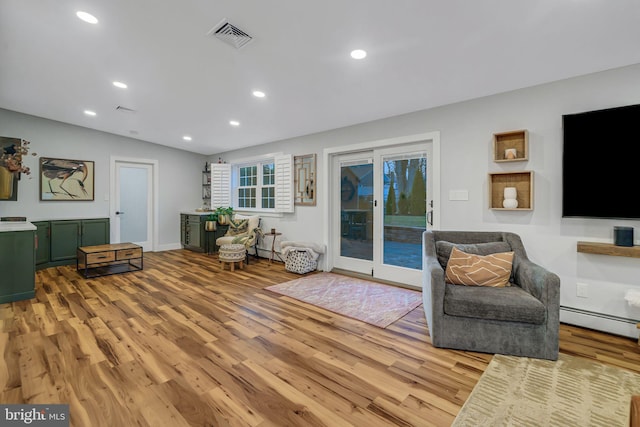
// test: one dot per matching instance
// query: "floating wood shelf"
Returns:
(608, 249)
(517, 139)
(521, 180)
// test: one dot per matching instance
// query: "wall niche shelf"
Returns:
(608, 249)
(518, 139)
(206, 187)
(521, 180)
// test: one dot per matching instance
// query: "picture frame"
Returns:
(66, 180)
(305, 179)
(8, 179)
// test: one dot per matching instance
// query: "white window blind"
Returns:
(220, 185)
(284, 182)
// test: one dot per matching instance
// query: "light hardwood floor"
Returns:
(184, 343)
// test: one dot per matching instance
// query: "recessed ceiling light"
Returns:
(87, 17)
(186, 138)
(358, 54)
(258, 94)
(90, 113)
(234, 123)
(120, 85)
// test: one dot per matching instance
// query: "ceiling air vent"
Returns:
(230, 34)
(125, 109)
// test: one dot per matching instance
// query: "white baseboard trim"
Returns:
(169, 247)
(599, 322)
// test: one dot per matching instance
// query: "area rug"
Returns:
(572, 391)
(370, 302)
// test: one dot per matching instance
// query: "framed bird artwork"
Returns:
(65, 179)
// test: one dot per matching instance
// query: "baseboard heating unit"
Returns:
(599, 321)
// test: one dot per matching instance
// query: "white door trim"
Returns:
(155, 193)
(326, 199)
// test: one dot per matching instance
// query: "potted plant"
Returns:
(224, 214)
(210, 222)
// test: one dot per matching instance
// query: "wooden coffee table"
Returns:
(102, 260)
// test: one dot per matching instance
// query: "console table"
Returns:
(102, 260)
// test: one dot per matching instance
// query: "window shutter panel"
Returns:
(220, 185)
(284, 183)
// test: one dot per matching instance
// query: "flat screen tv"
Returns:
(601, 163)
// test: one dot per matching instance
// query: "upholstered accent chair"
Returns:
(521, 319)
(245, 230)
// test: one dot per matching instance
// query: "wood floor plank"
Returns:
(298, 377)
(185, 343)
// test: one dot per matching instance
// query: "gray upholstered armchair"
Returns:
(521, 319)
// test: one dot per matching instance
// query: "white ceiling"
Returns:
(421, 54)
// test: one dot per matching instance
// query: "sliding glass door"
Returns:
(402, 177)
(354, 193)
(382, 200)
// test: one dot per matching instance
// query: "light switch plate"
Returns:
(458, 194)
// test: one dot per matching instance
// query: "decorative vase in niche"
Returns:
(510, 193)
(510, 198)
(510, 153)
(510, 203)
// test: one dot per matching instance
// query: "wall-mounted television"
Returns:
(601, 163)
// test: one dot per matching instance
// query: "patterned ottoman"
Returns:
(231, 254)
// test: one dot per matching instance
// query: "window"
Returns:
(264, 184)
(248, 178)
(256, 179)
(268, 186)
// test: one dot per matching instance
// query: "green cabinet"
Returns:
(58, 240)
(94, 232)
(68, 235)
(65, 239)
(43, 245)
(221, 230)
(193, 235)
(17, 264)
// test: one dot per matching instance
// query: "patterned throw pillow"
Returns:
(479, 270)
(443, 249)
(238, 226)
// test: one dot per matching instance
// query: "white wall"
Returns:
(178, 170)
(466, 132)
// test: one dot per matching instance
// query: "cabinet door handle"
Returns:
(36, 242)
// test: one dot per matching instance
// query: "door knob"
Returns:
(119, 213)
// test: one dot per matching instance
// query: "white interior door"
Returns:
(133, 204)
(383, 204)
